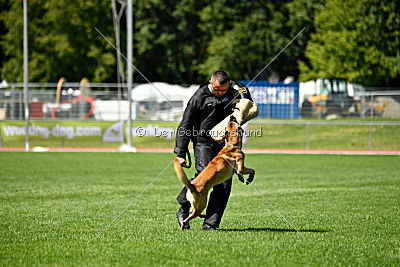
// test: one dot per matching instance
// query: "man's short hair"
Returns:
(221, 76)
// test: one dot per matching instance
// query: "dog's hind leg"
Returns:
(186, 221)
(197, 208)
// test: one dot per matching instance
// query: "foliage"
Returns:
(166, 40)
(357, 40)
(62, 41)
(258, 35)
(185, 41)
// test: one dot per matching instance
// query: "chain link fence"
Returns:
(74, 101)
(83, 105)
(108, 102)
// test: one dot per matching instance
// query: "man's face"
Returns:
(218, 89)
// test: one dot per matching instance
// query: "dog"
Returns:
(229, 160)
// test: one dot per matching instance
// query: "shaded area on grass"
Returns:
(251, 229)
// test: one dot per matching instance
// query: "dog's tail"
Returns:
(182, 176)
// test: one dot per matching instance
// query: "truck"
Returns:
(335, 98)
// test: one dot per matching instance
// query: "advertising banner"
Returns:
(279, 101)
(13, 132)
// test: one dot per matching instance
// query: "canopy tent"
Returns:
(162, 92)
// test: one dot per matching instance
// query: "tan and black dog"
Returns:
(220, 169)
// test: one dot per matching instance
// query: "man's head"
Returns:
(219, 83)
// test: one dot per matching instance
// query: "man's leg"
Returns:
(217, 204)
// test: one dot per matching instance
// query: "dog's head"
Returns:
(233, 118)
(234, 133)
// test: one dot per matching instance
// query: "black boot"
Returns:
(182, 214)
(207, 227)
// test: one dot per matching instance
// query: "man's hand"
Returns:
(181, 160)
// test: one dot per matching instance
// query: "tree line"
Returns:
(185, 41)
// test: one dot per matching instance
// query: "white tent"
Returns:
(162, 92)
(151, 102)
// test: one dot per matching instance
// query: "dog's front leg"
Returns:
(229, 159)
(240, 166)
(242, 170)
(252, 172)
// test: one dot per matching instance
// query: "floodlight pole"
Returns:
(26, 89)
(120, 72)
(129, 69)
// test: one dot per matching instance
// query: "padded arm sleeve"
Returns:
(245, 110)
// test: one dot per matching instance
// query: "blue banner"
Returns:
(275, 100)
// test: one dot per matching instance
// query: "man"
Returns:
(209, 105)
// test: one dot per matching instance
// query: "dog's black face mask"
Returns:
(232, 118)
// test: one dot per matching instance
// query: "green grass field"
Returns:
(54, 204)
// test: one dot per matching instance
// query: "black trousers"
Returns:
(203, 154)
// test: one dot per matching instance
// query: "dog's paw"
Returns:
(241, 178)
(250, 179)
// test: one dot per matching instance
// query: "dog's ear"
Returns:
(232, 118)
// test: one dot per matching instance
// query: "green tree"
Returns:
(285, 25)
(358, 40)
(4, 7)
(240, 51)
(166, 40)
(62, 41)
(247, 36)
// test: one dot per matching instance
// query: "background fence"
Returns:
(107, 102)
(100, 101)
(82, 116)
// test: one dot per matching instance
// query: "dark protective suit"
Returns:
(205, 110)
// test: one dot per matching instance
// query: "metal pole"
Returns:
(120, 76)
(70, 110)
(370, 136)
(12, 105)
(129, 69)
(372, 106)
(291, 102)
(20, 104)
(308, 135)
(26, 89)
(363, 106)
